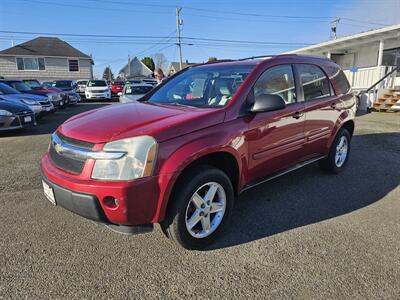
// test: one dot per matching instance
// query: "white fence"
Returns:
(366, 77)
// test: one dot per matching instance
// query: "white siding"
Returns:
(56, 68)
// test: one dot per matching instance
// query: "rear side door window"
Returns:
(314, 82)
(278, 80)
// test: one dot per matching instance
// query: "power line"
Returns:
(153, 37)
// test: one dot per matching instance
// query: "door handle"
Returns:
(297, 115)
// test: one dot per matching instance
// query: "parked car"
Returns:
(183, 153)
(97, 89)
(69, 88)
(54, 95)
(38, 104)
(149, 81)
(15, 115)
(132, 93)
(19, 85)
(116, 87)
(81, 86)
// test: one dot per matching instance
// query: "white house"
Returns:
(366, 58)
(135, 69)
(45, 58)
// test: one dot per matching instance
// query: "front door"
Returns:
(275, 139)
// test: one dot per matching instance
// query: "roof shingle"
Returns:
(45, 46)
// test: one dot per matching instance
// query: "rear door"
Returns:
(275, 139)
(322, 108)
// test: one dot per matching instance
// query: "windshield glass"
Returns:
(7, 90)
(117, 82)
(32, 83)
(20, 86)
(96, 83)
(82, 82)
(211, 86)
(63, 84)
(137, 90)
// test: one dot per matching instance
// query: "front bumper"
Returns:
(137, 199)
(16, 122)
(105, 95)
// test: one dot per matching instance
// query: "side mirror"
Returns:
(267, 102)
(119, 94)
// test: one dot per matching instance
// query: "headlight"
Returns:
(5, 113)
(138, 162)
(30, 102)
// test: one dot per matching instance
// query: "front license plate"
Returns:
(49, 193)
(48, 108)
(27, 119)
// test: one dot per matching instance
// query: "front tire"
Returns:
(339, 153)
(203, 203)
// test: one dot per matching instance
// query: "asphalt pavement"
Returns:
(304, 235)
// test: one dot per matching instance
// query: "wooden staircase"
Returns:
(388, 102)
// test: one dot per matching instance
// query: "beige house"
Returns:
(45, 58)
(174, 67)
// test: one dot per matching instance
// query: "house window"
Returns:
(73, 65)
(31, 63)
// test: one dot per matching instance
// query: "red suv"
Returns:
(181, 155)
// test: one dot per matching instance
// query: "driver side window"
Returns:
(278, 80)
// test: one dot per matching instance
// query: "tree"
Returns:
(108, 74)
(160, 61)
(149, 62)
(212, 59)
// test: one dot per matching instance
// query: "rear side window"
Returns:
(314, 82)
(277, 80)
(342, 82)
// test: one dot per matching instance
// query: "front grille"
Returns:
(20, 120)
(67, 163)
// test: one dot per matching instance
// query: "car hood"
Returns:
(19, 97)
(120, 121)
(13, 107)
(35, 92)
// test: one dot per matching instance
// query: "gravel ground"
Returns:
(304, 235)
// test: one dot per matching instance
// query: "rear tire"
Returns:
(339, 153)
(202, 205)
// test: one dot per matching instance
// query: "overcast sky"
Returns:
(299, 23)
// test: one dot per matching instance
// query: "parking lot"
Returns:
(304, 235)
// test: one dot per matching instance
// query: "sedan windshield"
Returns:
(210, 86)
(96, 83)
(62, 83)
(7, 90)
(20, 86)
(137, 90)
(32, 83)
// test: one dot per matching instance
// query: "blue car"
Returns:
(40, 105)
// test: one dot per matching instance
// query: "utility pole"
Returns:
(334, 24)
(178, 30)
(109, 72)
(129, 66)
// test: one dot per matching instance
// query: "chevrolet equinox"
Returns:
(182, 154)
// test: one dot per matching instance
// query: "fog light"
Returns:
(110, 202)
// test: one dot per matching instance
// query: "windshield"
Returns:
(211, 86)
(20, 86)
(82, 82)
(96, 83)
(7, 90)
(117, 82)
(137, 90)
(32, 83)
(62, 84)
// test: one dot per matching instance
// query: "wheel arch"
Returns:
(224, 160)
